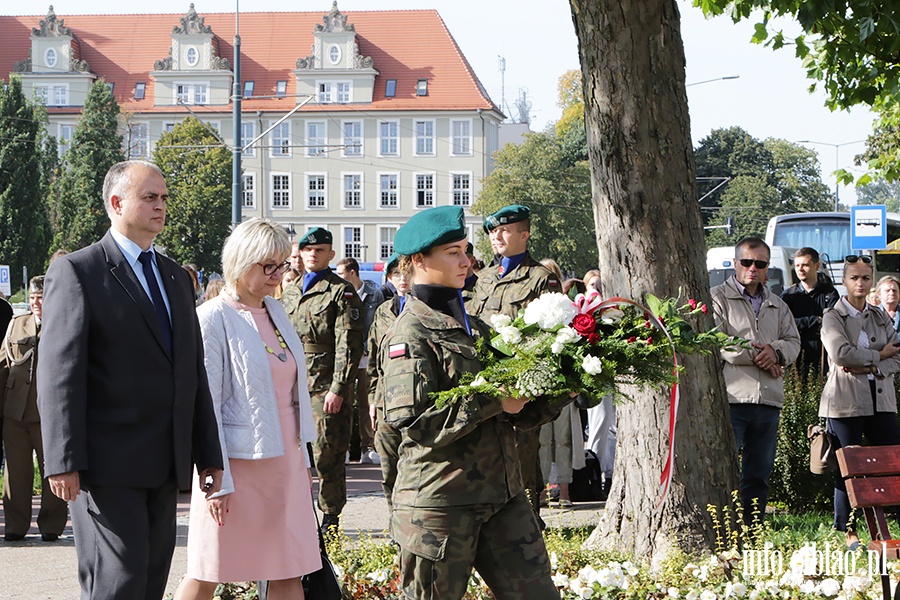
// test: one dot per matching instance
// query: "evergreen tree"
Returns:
(199, 183)
(23, 218)
(79, 217)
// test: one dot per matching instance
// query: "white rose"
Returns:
(510, 334)
(556, 348)
(592, 365)
(498, 321)
(550, 311)
(567, 335)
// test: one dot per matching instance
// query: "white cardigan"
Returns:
(240, 382)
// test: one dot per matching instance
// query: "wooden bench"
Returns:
(872, 475)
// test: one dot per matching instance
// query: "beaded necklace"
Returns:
(282, 356)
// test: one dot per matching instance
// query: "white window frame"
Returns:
(143, 143)
(352, 145)
(417, 204)
(324, 191)
(324, 92)
(248, 193)
(395, 138)
(48, 61)
(281, 88)
(245, 139)
(331, 57)
(281, 191)
(280, 140)
(316, 146)
(360, 244)
(60, 94)
(460, 145)
(187, 56)
(42, 94)
(424, 142)
(352, 199)
(381, 190)
(382, 256)
(193, 93)
(169, 126)
(63, 142)
(454, 189)
(343, 95)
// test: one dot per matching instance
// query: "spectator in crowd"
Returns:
(122, 393)
(592, 280)
(387, 438)
(22, 426)
(888, 292)
(471, 275)
(744, 308)
(458, 500)
(506, 288)
(296, 261)
(858, 398)
(261, 525)
(6, 315)
(290, 276)
(370, 295)
(214, 287)
(195, 279)
(326, 313)
(58, 253)
(808, 300)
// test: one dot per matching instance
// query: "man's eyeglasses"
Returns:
(747, 262)
(269, 269)
(852, 258)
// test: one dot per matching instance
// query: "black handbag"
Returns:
(322, 584)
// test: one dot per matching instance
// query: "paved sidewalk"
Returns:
(37, 570)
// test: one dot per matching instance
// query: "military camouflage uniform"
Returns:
(458, 498)
(506, 296)
(387, 438)
(328, 320)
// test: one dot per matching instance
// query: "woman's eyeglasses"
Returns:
(852, 258)
(747, 262)
(269, 269)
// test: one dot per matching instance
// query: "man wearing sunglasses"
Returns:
(743, 307)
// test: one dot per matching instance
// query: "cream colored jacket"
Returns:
(744, 381)
(846, 394)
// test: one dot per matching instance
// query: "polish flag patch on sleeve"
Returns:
(398, 351)
(348, 294)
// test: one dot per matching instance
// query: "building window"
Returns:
(315, 191)
(424, 137)
(388, 141)
(352, 138)
(343, 93)
(315, 138)
(281, 88)
(353, 246)
(462, 137)
(424, 190)
(352, 190)
(248, 190)
(168, 127)
(281, 190)
(60, 95)
(248, 132)
(65, 137)
(422, 87)
(462, 189)
(387, 186)
(386, 242)
(192, 56)
(334, 54)
(138, 140)
(50, 58)
(325, 93)
(139, 89)
(191, 93)
(248, 88)
(390, 88)
(281, 139)
(42, 94)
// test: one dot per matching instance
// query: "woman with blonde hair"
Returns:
(261, 525)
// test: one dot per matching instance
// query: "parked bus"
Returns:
(829, 233)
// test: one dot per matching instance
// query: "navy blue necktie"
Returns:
(159, 305)
(308, 280)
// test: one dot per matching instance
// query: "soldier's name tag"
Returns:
(398, 351)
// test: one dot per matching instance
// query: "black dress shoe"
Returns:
(50, 537)
(13, 537)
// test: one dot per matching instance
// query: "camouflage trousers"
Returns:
(387, 445)
(330, 453)
(528, 446)
(439, 546)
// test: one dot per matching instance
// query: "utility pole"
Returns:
(236, 191)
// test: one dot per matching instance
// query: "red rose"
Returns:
(584, 324)
(692, 303)
(593, 338)
(704, 309)
(632, 339)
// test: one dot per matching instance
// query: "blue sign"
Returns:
(4, 280)
(868, 227)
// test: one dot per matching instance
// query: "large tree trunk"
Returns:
(650, 239)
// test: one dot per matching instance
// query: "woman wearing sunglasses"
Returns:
(858, 398)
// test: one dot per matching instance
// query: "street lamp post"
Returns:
(837, 164)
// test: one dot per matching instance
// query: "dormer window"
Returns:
(334, 54)
(281, 88)
(248, 88)
(422, 87)
(192, 56)
(50, 57)
(390, 88)
(139, 89)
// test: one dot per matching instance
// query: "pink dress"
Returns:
(270, 528)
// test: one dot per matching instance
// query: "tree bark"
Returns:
(650, 239)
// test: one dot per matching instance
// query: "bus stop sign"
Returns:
(868, 227)
(5, 285)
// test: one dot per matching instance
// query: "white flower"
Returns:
(379, 576)
(553, 560)
(498, 321)
(738, 590)
(556, 348)
(708, 595)
(567, 335)
(856, 583)
(510, 334)
(478, 381)
(550, 311)
(593, 366)
(561, 580)
(829, 587)
(612, 316)
(691, 595)
(673, 592)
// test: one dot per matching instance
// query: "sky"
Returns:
(537, 40)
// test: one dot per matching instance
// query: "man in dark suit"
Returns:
(124, 402)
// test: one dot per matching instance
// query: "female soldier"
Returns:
(458, 500)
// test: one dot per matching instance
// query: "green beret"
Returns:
(316, 235)
(470, 249)
(429, 228)
(506, 215)
(392, 263)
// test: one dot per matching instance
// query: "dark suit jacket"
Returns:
(114, 404)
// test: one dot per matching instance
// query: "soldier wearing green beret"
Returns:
(458, 500)
(326, 312)
(506, 288)
(468, 290)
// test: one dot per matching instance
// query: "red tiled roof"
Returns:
(404, 45)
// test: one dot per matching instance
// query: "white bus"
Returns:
(829, 234)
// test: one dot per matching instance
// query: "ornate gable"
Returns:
(51, 26)
(334, 45)
(191, 24)
(194, 47)
(54, 49)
